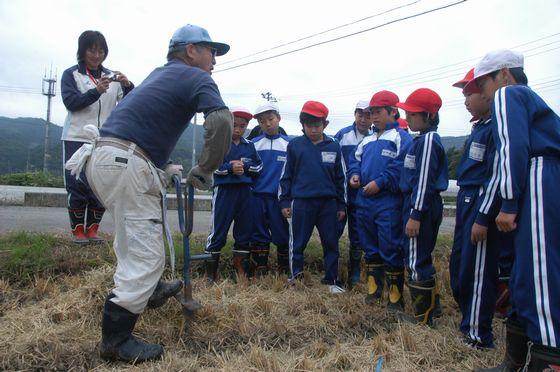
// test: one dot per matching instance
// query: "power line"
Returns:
(367, 87)
(320, 33)
(344, 36)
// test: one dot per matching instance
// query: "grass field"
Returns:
(52, 293)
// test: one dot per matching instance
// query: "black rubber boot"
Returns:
(163, 291)
(437, 304)
(423, 296)
(516, 349)
(241, 262)
(282, 257)
(117, 341)
(375, 279)
(395, 284)
(354, 262)
(543, 358)
(212, 267)
(259, 259)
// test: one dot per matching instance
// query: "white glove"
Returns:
(172, 170)
(199, 178)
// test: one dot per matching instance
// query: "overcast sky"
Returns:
(433, 50)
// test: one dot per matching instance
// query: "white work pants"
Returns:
(130, 189)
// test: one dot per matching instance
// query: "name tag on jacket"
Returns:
(410, 161)
(476, 151)
(328, 156)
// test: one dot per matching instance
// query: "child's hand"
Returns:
(412, 228)
(506, 221)
(354, 181)
(287, 212)
(237, 167)
(340, 215)
(478, 233)
(371, 188)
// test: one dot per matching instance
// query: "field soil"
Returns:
(50, 319)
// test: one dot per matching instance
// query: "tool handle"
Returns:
(189, 207)
(180, 208)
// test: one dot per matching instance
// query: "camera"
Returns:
(112, 77)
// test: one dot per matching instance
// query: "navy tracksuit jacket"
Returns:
(527, 135)
(231, 198)
(474, 268)
(380, 159)
(313, 184)
(349, 138)
(423, 177)
(268, 223)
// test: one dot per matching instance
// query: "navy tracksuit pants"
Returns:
(380, 222)
(230, 203)
(267, 221)
(80, 195)
(535, 277)
(473, 269)
(352, 219)
(307, 214)
(418, 250)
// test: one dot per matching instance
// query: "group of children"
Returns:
(386, 185)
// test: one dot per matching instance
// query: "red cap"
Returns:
(468, 77)
(403, 124)
(241, 112)
(316, 109)
(421, 100)
(473, 88)
(384, 98)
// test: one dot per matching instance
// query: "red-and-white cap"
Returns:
(241, 112)
(494, 61)
(421, 100)
(473, 88)
(269, 106)
(316, 109)
(362, 105)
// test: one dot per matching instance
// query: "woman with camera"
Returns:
(90, 92)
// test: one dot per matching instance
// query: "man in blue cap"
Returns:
(129, 169)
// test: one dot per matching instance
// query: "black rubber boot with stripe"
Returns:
(422, 294)
(516, 349)
(395, 284)
(259, 259)
(375, 279)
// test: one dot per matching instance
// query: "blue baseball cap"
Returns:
(191, 34)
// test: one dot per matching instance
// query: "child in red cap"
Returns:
(231, 199)
(423, 178)
(374, 170)
(312, 192)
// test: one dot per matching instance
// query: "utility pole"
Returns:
(49, 90)
(193, 159)
(269, 97)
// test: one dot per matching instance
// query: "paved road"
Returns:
(43, 219)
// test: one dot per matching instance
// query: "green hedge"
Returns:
(39, 179)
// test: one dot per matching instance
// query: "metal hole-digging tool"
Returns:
(186, 212)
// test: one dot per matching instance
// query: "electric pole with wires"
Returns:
(49, 90)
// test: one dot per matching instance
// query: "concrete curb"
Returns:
(55, 197)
